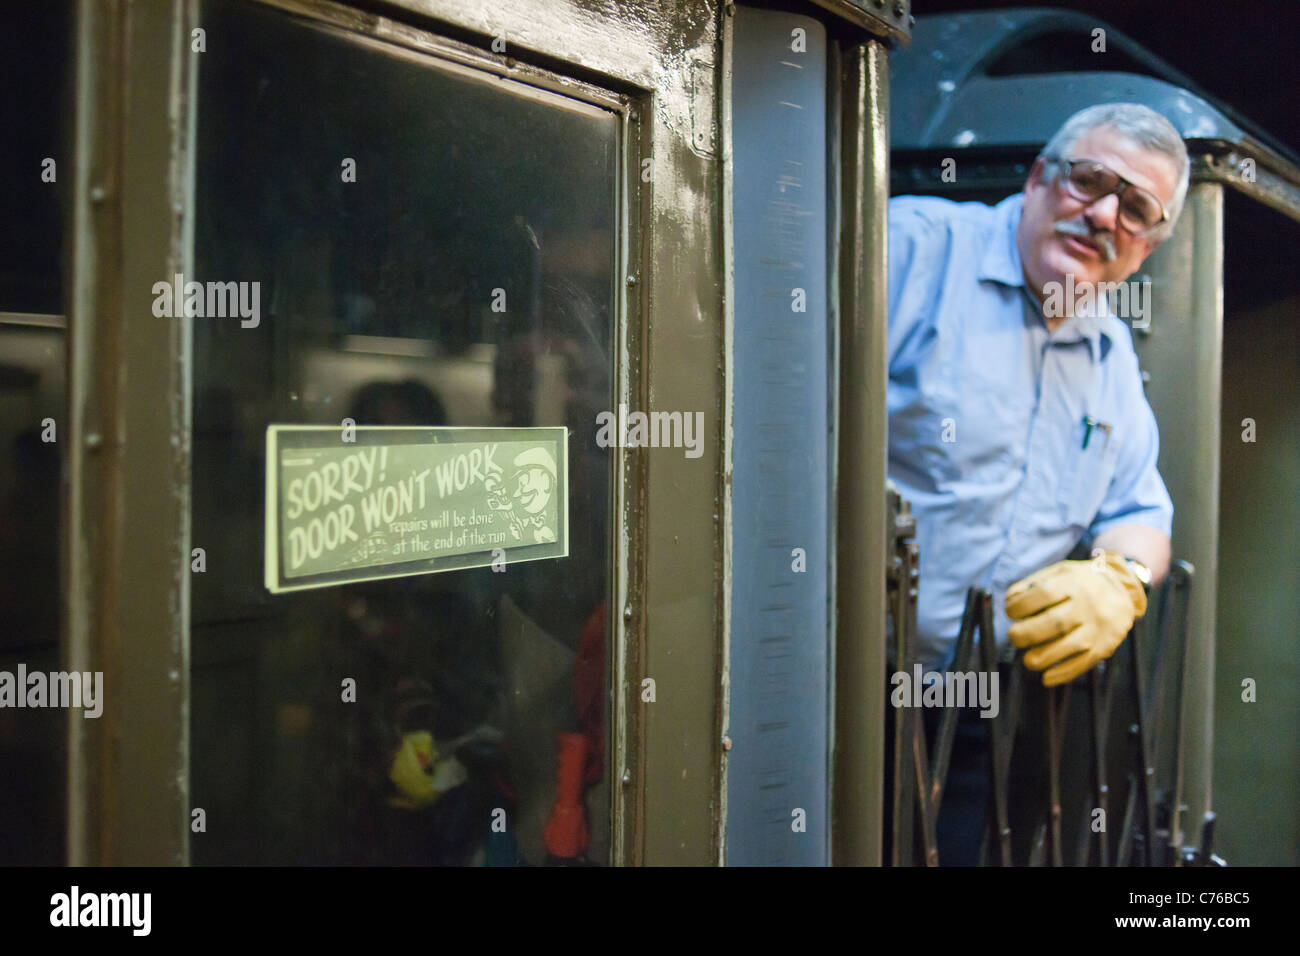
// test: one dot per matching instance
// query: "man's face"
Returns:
(1108, 252)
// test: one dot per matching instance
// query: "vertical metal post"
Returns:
(1183, 351)
(127, 547)
(860, 518)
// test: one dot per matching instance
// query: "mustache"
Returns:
(1102, 239)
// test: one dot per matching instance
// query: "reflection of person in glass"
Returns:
(534, 484)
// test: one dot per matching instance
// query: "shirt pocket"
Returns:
(1086, 475)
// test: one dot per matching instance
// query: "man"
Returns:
(1018, 424)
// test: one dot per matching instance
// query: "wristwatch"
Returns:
(1140, 570)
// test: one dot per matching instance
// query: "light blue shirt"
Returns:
(986, 415)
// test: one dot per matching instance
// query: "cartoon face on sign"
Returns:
(532, 486)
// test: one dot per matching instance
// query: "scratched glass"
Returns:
(377, 294)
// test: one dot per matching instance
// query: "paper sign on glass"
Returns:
(397, 501)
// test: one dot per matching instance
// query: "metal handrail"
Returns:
(1149, 691)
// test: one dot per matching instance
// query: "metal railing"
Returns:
(1105, 741)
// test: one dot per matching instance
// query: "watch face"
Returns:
(1141, 570)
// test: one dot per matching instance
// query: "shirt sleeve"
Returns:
(913, 237)
(1137, 493)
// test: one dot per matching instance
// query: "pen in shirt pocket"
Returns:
(1089, 423)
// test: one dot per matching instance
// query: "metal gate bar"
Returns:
(901, 582)
(922, 778)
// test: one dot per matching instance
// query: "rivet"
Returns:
(97, 194)
(631, 280)
(898, 8)
(726, 743)
(627, 613)
(94, 440)
(627, 777)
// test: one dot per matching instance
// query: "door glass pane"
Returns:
(36, 172)
(433, 246)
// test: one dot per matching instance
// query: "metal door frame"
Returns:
(126, 544)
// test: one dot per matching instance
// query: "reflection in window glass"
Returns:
(463, 276)
(36, 172)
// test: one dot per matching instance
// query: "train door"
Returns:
(416, 235)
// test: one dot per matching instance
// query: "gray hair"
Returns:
(1140, 125)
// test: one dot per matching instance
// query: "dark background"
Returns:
(1244, 52)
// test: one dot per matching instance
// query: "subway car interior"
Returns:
(525, 215)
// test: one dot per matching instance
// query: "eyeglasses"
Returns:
(1088, 180)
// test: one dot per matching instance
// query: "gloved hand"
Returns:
(1074, 614)
(420, 774)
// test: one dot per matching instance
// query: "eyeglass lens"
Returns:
(1137, 207)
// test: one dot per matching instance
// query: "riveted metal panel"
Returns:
(888, 19)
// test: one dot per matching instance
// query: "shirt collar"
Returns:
(1001, 263)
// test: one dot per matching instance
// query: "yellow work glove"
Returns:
(1074, 614)
(420, 773)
